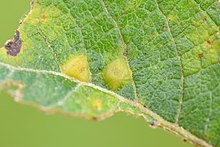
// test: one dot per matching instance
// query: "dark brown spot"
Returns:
(205, 19)
(13, 47)
(210, 41)
(153, 124)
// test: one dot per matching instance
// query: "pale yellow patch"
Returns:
(37, 20)
(117, 73)
(77, 67)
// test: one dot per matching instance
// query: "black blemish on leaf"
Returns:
(13, 47)
(153, 124)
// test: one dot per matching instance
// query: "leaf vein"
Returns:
(181, 66)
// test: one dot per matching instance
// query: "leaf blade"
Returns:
(167, 59)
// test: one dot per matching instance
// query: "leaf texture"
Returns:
(152, 58)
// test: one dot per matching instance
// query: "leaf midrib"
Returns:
(174, 128)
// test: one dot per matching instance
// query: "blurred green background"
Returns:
(24, 126)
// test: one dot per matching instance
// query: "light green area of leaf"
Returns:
(169, 55)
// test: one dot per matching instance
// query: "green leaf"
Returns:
(151, 58)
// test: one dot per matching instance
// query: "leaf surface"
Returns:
(151, 58)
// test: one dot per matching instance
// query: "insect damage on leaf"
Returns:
(77, 67)
(117, 74)
(13, 47)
